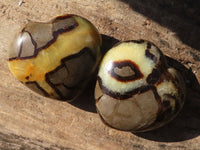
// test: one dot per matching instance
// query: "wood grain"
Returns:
(30, 121)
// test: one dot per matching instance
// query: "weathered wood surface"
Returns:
(30, 121)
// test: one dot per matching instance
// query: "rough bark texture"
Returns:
(30, 121)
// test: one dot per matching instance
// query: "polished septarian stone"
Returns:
(136, 90)
(56, 58)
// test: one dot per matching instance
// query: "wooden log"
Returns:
(30, 121)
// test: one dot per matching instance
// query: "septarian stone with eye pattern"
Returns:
(136, 90)
(57, 58)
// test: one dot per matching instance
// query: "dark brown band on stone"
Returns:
(36, 87)
(129, 94)
(154, 76)
(97, 100)
(63, 17)
(167, 111)
(61, 86)
(137, 41)
(125, 71)
(150, 55)
(149, 45)
(34, 44)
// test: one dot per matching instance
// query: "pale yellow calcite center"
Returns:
(126, 51)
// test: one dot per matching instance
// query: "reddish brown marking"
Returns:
(27, 77)
(126, 63)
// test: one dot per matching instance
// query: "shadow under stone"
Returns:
(86, 100)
